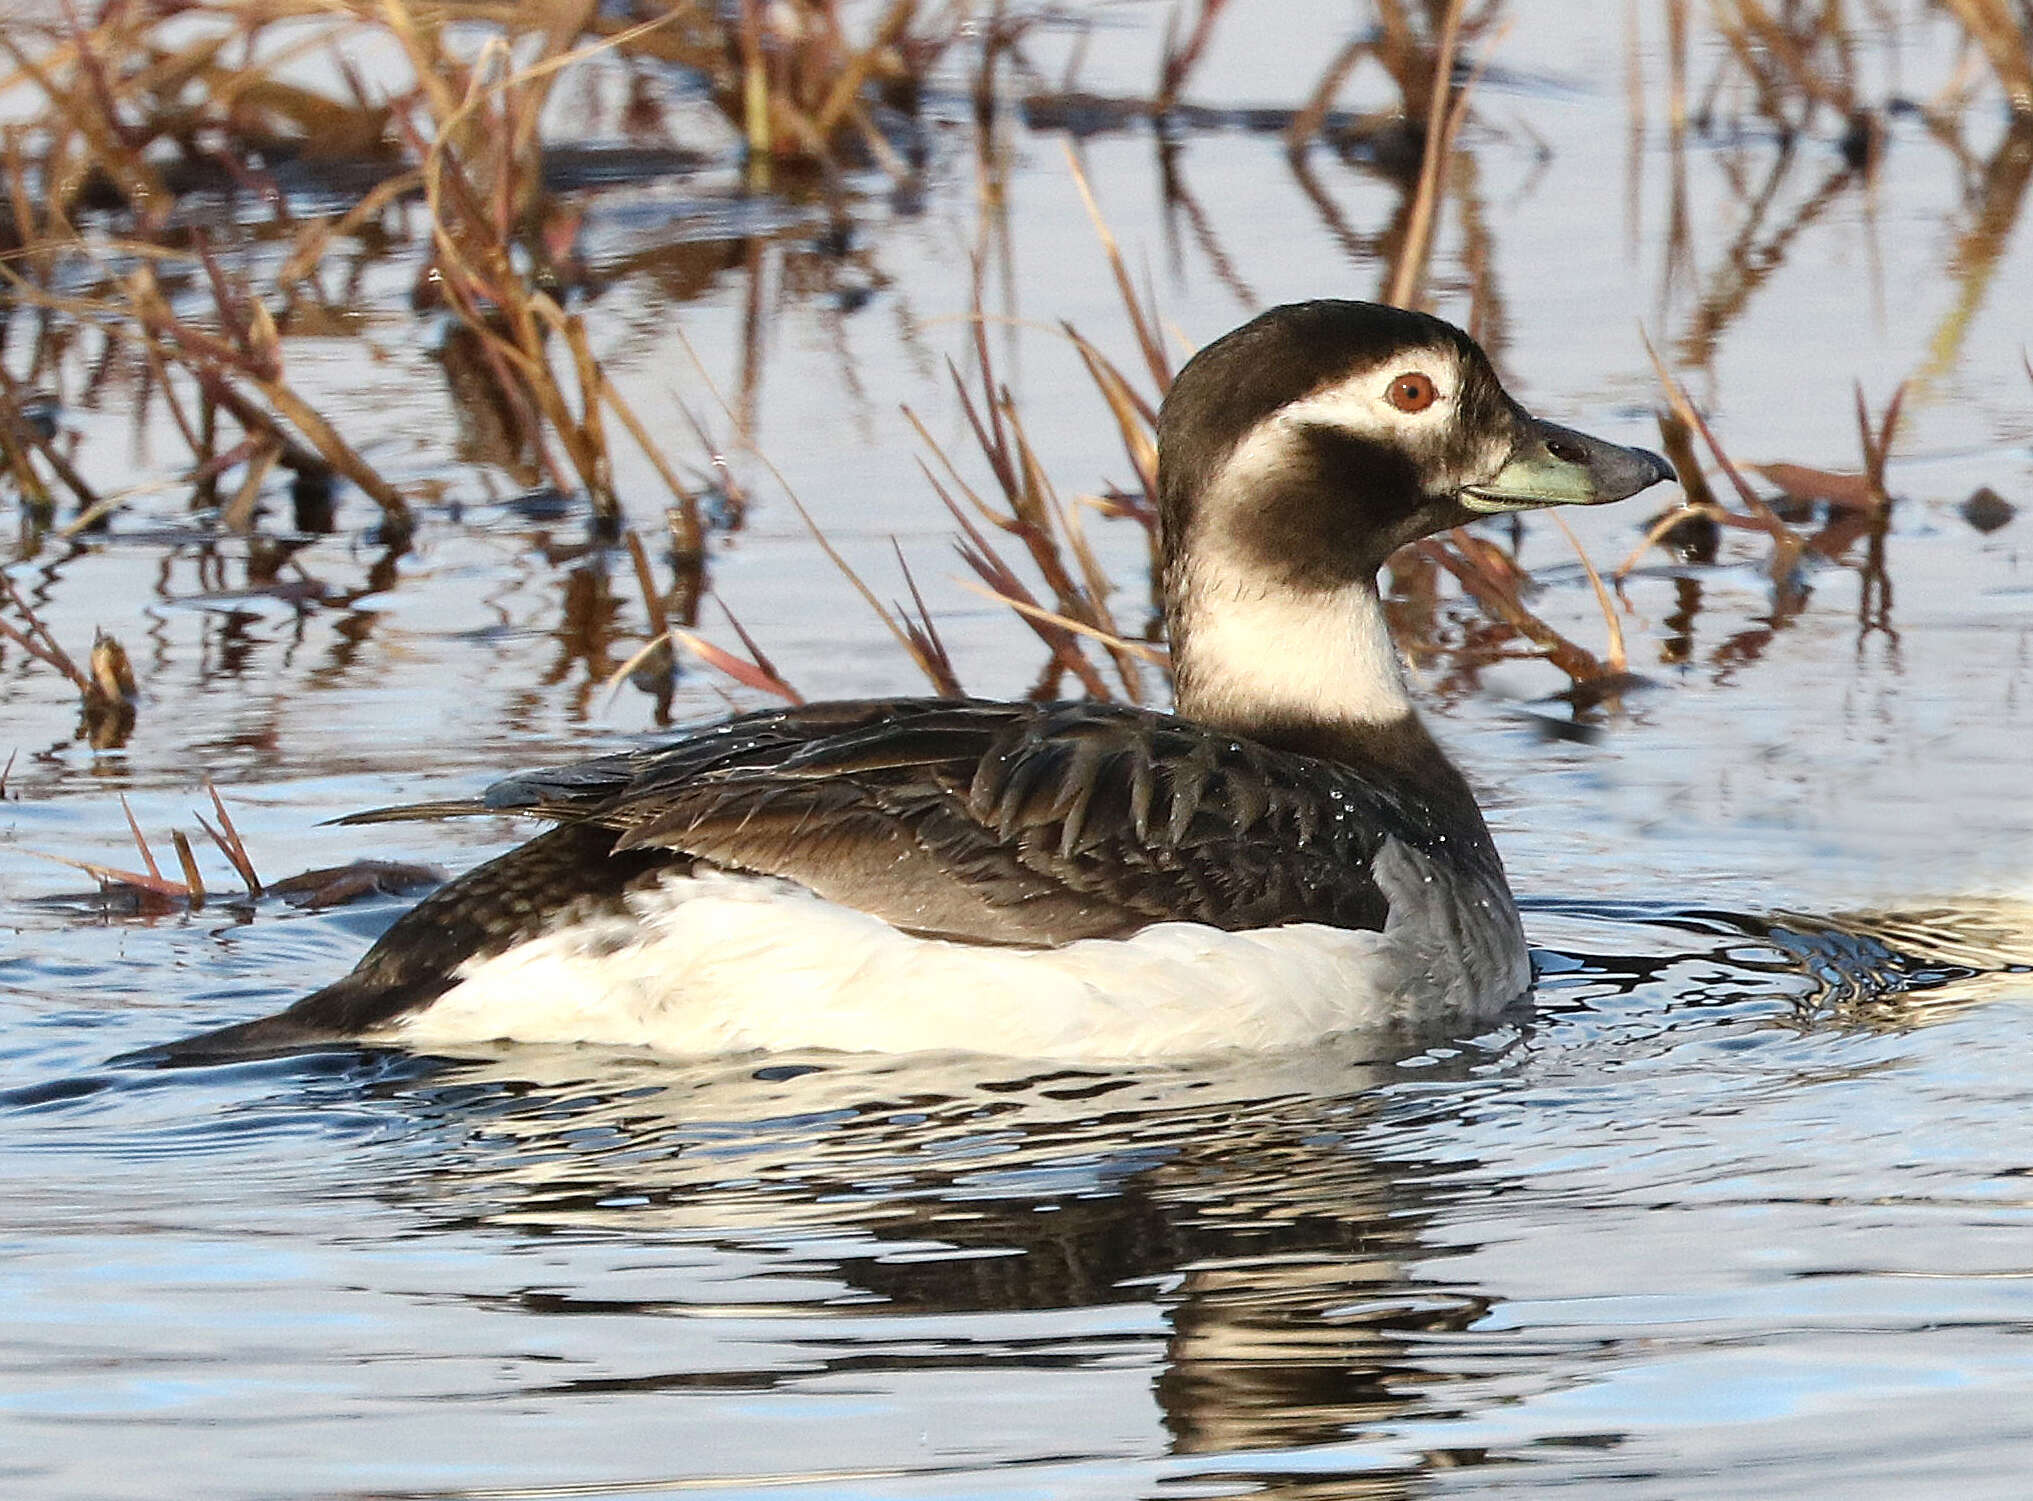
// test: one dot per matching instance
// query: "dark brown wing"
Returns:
(1001, 823)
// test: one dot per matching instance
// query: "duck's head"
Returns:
(1295, 455)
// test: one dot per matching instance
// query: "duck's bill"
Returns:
(1556, 466)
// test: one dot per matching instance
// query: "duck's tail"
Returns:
(563, 874)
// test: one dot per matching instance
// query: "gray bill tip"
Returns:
(1662, 472)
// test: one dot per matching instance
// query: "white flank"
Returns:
(722, 964)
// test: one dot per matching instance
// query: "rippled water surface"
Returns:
(1688, 1224)
(1745, 1207)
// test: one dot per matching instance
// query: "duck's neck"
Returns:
(1244, 650)
(1305, 670)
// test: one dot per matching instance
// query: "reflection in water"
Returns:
(1918, 964)
(1875, 968)
(1328, 1274)
(1756, 253)
(1998, 195)
(1288, 1223)
(496, 424)
(1248, 1204)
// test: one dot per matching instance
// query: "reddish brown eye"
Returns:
(1413, 392)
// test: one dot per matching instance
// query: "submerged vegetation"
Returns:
(196, 193)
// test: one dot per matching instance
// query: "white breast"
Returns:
(720, 963)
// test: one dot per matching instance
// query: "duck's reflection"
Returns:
(1254, 1209)
(1273, 1240)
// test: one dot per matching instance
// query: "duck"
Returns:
(1286, 855)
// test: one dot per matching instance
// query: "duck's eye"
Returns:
(1413, 392)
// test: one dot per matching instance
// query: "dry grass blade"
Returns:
(1035, 516)
(1048, 532)
(229, 842)
(1411, 267)
(1179, 62)
(847, 570)
(316, 240)
(759, 673)
(238, 514)
(261, 426)
(1676, 436)
(214, 362)
(1697, 500)
(1031, 610)
(988, 437)
(125, 89)
(1618, 661)
(480, 178)
(1487, 577)
(755, 111)
(55, 659)
(88, 519)
(680, 492)
(645, 578)
(140, 841)
(1877, 442)
(658, 645)
(861, 63)
(748, 643)
(1312, 116)
(833, 555)
(1149, 342)
(1094, 598)
(988, 513)
(933, 658)
(1134, 418)
(750, 674)
(113, 875)
(18, 437)
(194, 880)
(1787, 544)
(2006, 47)
(733, 497)
(37, 640)
(1663, 527)
(585, 439)
(92, 110)
(1763, 41)
(980, 555)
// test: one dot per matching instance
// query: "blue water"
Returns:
(1703, 1216)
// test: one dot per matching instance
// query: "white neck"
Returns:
(1248, 651)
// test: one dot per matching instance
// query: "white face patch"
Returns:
(1363, 404)
(1370, 404)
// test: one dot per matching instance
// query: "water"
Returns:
(1741, 1208)
(1690, 1222)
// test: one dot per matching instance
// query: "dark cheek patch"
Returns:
(1311, 529)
